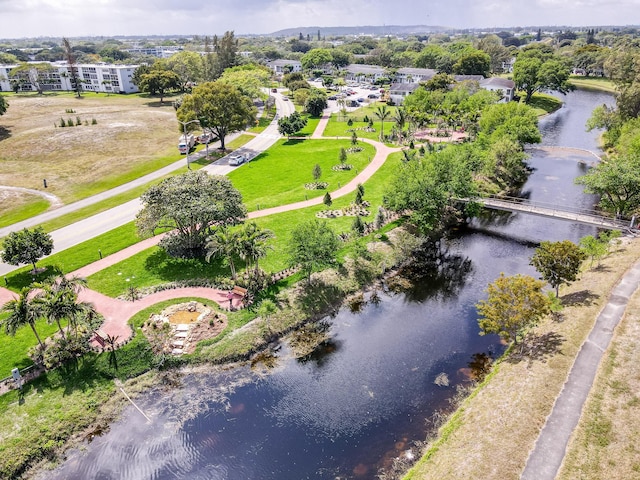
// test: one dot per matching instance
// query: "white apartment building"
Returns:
(97, 77)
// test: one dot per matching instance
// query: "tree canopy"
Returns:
(312, 244)
(26, 246)
(532, 74)
(219, 107)
(192, 204)
(159, 82)
(514, 304)
(558, 262)
(291, 124)
(316, 102)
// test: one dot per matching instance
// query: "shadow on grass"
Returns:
(293, 141)
(4, 133)
(24, 278)
(172, 269)
(537, 347)
(583, 297)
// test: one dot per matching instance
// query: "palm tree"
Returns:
(22, 311)
(226, 244)
(254, 244)
(400, 118)
(382, 113)
(58, 300)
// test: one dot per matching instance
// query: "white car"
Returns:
(235, 160)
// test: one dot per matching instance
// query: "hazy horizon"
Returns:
(75, 18)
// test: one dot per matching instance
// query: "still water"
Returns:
(367, 394)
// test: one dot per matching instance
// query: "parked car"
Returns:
(274, 90)
(205, 138)
(333, 97)
(361, 100)
(373, 95)
(237, 159)
(286, 99)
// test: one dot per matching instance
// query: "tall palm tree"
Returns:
(225, 244)
(58, 300)
(254, 244)
(400, 118)
(22, 311)
(382, 112)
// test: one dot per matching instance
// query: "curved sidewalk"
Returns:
(549, 450)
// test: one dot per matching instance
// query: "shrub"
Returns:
(94, 121)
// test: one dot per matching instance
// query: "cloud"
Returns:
(165, 17)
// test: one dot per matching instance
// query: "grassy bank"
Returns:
(593, 83)
(490, 435)
(605, 442)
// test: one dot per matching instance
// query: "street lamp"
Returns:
(184, 129)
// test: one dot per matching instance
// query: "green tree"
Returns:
(159, 82)
(226, 51)
(312, 244)
(532, 74)
(617, 183)
(315, 58)
(316, 172)
(513, 120)
(249, 79)
(219, 107)
(514, 304)
(430, 189)
(21, 311)
(58, 300)
(316, 102)
(327, 200)
(473, 62)
(382, 113)
(558, 262)
(191, 204)
(290, 125)
(593, 248)
(3, 105)
(26, 246)
(254, 245)
(226, 244)
(188, 66)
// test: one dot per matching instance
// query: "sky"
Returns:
(73, 18)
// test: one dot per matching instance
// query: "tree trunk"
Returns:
(35, 332)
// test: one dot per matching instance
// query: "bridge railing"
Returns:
(527, 205)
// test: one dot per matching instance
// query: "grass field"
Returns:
(20, 206)
(543, 103)
(134, 135)
(277, 176)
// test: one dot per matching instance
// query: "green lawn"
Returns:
(31, 206)
(543, 103)
(310, 127)
(593, 83)
(277, 176)
(263, 122)
(73, 258)
(337, 126)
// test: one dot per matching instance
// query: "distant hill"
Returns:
(376, 30)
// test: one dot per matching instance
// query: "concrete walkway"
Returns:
(549, 450)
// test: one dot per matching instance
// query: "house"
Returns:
(282, 66)
(97, 77)
(363, 73)
(159, 52)
(502, 85)
(398, 91)
(414, 75)
(507, 66)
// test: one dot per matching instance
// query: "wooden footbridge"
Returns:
(584, 216)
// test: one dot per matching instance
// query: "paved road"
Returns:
(100, 223)
(549, 450)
